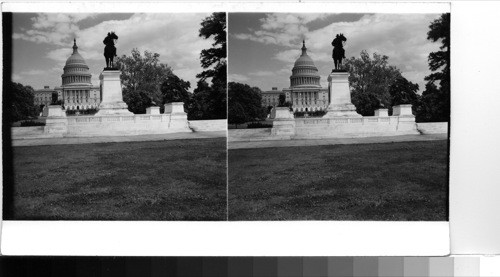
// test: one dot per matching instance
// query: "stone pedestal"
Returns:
(153, 110)
(402, 110)
(56, 122)
(406, 119)
(55, 111)
(340, 96)
(175, 108)
(112, 99)
(178, 118)
(382, 112)
(283, 123)
(45, 111)
(282, 113)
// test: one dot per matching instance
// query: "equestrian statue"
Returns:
(338, 51)
(110, 49)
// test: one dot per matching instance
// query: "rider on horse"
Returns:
(338, 52)
(110, 49)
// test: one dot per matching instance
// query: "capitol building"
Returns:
(76, 91)
(305, 92)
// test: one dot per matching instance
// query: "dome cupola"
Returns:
(304, 72)
(76, 71)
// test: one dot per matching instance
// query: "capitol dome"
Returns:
(76, 71)
(304, 72)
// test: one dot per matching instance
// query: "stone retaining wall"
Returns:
(433, 128)
(254, 134)
(27, 131)
(344, 127)
(138, 124)
(208, 125)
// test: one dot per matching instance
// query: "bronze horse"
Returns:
(338, 52)
(110, 49)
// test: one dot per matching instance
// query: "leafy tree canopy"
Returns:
(214, 26)
(244, 103)
(174, 89)
(403, 91)
(20, 102)
(209, 102)
(436, 99)
(142, 78)
(370, 79)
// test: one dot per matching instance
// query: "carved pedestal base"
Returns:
(340, 96)
(112, 100)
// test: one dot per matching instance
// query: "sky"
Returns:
(264, 46)
(43, 42)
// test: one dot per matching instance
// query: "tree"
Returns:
(213, 60)
(20, 102)
(200, 101)
(142, 78)
(214, 25)
(244, 104)
(403, 91)
(138, 101)
(370, 80)
(174, 89)
(436, 100)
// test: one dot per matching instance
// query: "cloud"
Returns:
(53, 28)
(236, 78)
(282, 29)
(173, 36)
(402, 37)
(16, 77)
(262, 73)
(33, 72)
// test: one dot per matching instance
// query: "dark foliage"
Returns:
(370, 79)
(82, 112)
(174, 89)
(31, 123)
(403, 91)
(435, 105)
(210, 101)
(255, 125)
(20, 102)
(244, 104)
(214, 26)
(142, 78)
(309, 114)
(138, 101)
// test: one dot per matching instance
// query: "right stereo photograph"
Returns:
(338, 116)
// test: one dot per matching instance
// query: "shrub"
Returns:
(30, 123)
(82, 112)
(258, 125)
(310, 114)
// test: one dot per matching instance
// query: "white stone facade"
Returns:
(77, 91)
(116, 125)
(305, 92)
(112, 98)
(43, 96)
(340, 96)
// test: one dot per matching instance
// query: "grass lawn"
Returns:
(155, 180)
(389, 181)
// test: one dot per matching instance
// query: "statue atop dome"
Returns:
(338, 52)
(110, 50)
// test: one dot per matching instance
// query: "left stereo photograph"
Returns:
(114, 116)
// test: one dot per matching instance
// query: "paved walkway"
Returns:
(314, 142)
(104, 139)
